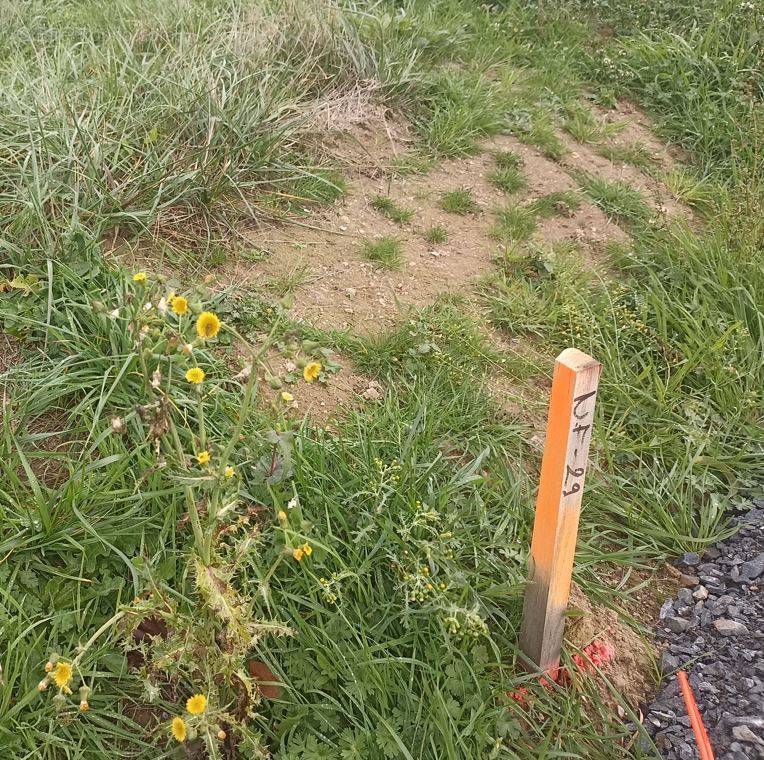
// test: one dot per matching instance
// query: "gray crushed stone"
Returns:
(714, 629)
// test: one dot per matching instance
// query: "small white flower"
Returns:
(162, 305)
(292, 503)
(114, 313)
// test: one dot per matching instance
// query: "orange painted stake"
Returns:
(558, 506)
(696, 720)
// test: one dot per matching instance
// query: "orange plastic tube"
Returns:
(696, 721)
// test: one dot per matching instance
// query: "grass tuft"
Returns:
(617, 199)
(514, 224)
(510, 180)
(436, 234)
(386, 251)
(389, 208)
(636, 154)
(459, 201)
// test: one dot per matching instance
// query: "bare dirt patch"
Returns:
(584, 157)
(342, 290)
(631, 671)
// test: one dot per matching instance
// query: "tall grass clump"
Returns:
(186, 123)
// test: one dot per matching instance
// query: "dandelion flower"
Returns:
(139, 277)
(179, 729)
(311, 371)
(179, 304)
(195, 375)
(62, 674)
(307, 549)
(203, 457)
(229, 472)
(197, 704)
(286, 396)
(297, 553)
(207, 325)
(282, 515)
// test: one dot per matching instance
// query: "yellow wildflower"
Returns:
(179, 304)
(197, 704)
(282, 515)
(229, 471)
(179, 729)
(195, 375)
(203, 457)
(63, 674)
(311, 371)
(139, 277)
(207, 325)
(297, 553)
(307, 549)
(286, 396)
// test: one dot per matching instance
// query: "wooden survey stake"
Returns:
(558, 505)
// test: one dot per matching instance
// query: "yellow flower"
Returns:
(62, 674)
(197, 704)
(282, 515)
(179, 729)
(286, 396)
(203, 457)
(207, 325)
(139, 277)
(307, 549)
(310, 373)
(229, 472)
(195, 375)
(179, 304)
(297, 553)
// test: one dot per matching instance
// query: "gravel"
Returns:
(714, 629)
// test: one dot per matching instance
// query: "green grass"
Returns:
(559, 203)
(514, 223)
(459, 201)
(436, 234)
(618, 200)
(171, 125)
(507, 159)
(636, 154)
(510, 180)
(582, 124)
(389, 208)
(541, 135)
(386, 251)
